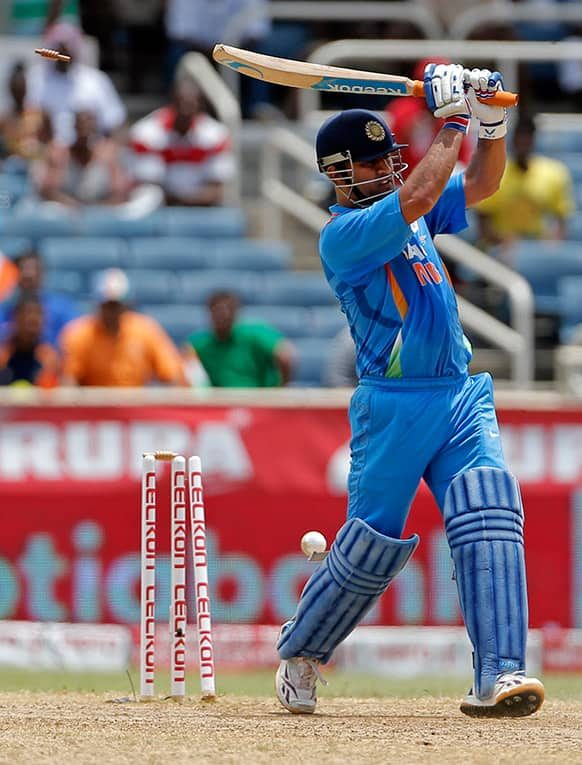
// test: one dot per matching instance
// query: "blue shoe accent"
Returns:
(360, 566)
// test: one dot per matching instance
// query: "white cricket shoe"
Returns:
(295, 683)
(515, 695)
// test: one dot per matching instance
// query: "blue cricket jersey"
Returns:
(394, 288)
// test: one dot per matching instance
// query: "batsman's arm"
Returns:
(427, 181)
(485, 170)
(445, 97)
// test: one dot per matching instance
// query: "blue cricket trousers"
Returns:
(404, 430)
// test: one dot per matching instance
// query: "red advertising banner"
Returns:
(69, 493)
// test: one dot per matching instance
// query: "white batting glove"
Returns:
(444, 89)
(483, 84)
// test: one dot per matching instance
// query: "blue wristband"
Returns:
(458, 122)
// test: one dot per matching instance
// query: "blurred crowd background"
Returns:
(126, 258)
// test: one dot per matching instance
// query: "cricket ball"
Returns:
(313, 542)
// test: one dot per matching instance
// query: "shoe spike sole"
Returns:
(520, 703)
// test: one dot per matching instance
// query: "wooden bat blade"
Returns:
(302, 74)
(333, 79)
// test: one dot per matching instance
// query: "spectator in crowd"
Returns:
(8, 277)
(411, 120)
(184, 150)
(62, 89)
(196, 25)
(98, 20)
(32, 18)
(491, 28)
(535, 198)
(569, 71)
(24, 357)
(57, 307)
(240, 355)
(89, 171)
(539, 78)
(340, 365)
(23, 131)
(140, 21)
(116, 346)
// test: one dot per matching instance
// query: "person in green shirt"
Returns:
(239, 354)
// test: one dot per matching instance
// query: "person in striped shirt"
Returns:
(184, 150)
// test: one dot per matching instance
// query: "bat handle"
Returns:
(501, 98)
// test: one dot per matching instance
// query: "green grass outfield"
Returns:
(260, 683)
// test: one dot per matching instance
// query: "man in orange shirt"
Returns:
(116, 346)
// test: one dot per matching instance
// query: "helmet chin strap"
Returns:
(361, 200)
(354, 193)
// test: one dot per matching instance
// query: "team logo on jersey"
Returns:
(375, 131)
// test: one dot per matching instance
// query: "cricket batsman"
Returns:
(416, 413)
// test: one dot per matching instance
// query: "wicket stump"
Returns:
(185, 492)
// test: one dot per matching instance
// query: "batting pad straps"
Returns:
(360, 566)
(484, 526)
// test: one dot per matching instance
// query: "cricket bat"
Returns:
(333, 79)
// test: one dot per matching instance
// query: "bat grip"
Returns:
(501, 98)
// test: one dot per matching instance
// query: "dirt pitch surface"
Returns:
(83, 729)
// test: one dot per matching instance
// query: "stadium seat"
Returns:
(306, 288)
(573, 160)
(291, 321)
(148, 285)
(196, 287)
(176, 252)
(574, 228)
(106, 221)
(543, 263)
(569, 295)
(38, 222)
(13, 246)
(311, 354)
(12, 188)
(72, 282)
(298, 321)
(327, 321)
(554, 142)
(14, 165)
(178, 320)
(84, 253)
(201, 221)
(252, 254)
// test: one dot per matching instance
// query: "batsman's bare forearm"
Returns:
(485, 170)
(427, 181)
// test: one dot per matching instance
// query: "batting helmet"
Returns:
(356, 134)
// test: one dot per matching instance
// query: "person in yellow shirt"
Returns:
(116, 346)
(535, 197)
